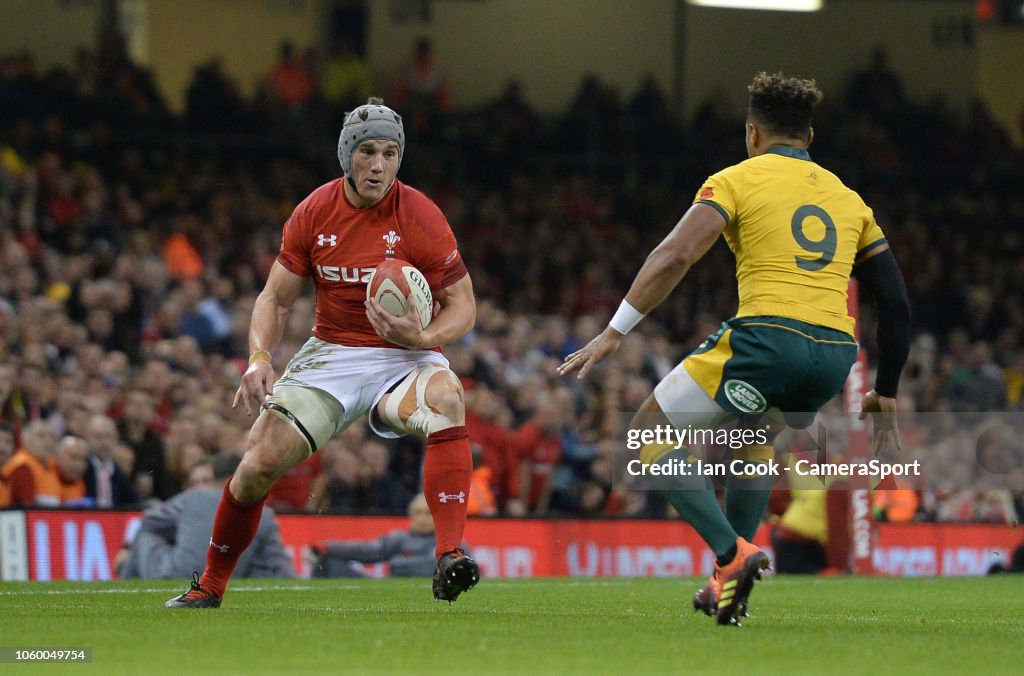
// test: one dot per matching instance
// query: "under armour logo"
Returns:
(332, 240)
(220, 548)
(445, 497)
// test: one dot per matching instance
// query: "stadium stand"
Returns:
(133, 242)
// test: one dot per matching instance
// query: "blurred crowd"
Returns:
(133, 243)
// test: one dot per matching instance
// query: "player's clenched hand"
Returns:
(257, 382)
(584, 359)
(883, 412)
(405, 330)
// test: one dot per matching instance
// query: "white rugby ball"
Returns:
(394, 282)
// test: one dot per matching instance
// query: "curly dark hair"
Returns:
(785, 105)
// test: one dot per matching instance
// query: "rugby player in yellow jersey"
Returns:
(798, 235)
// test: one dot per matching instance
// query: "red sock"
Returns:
(234, 528)
(447, 472)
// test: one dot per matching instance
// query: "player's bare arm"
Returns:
(268, 319)
(664, 268)
(879, 274)
(455, 318)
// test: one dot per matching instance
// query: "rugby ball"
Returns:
(394, 282)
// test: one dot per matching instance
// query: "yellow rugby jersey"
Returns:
(807, 514)
(796, 232)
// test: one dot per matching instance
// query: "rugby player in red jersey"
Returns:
(361, 360)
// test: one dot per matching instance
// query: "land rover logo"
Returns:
(744, 396)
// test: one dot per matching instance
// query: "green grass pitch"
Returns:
(799, 625)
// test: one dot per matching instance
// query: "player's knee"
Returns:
(648, 416)
(255, 470)
(262, 464)
(429, 400)
(446, 396)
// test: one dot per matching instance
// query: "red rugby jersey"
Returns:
(339, 246)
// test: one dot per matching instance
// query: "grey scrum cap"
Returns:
(369, 121)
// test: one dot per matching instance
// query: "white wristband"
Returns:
(626, 317)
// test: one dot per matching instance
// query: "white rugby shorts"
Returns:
(355, 377)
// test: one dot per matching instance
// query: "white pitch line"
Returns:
(485, 584)
(152, 590)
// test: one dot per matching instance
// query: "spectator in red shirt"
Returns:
(422, 90)
(293, 491)
(157, 378)
(492, 439)
(291, 82)
(538, 447)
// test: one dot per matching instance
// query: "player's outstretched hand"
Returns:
(887, 432)
(257, 382)
(405, 330)
(584, 359)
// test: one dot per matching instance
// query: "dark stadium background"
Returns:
(150, 151)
